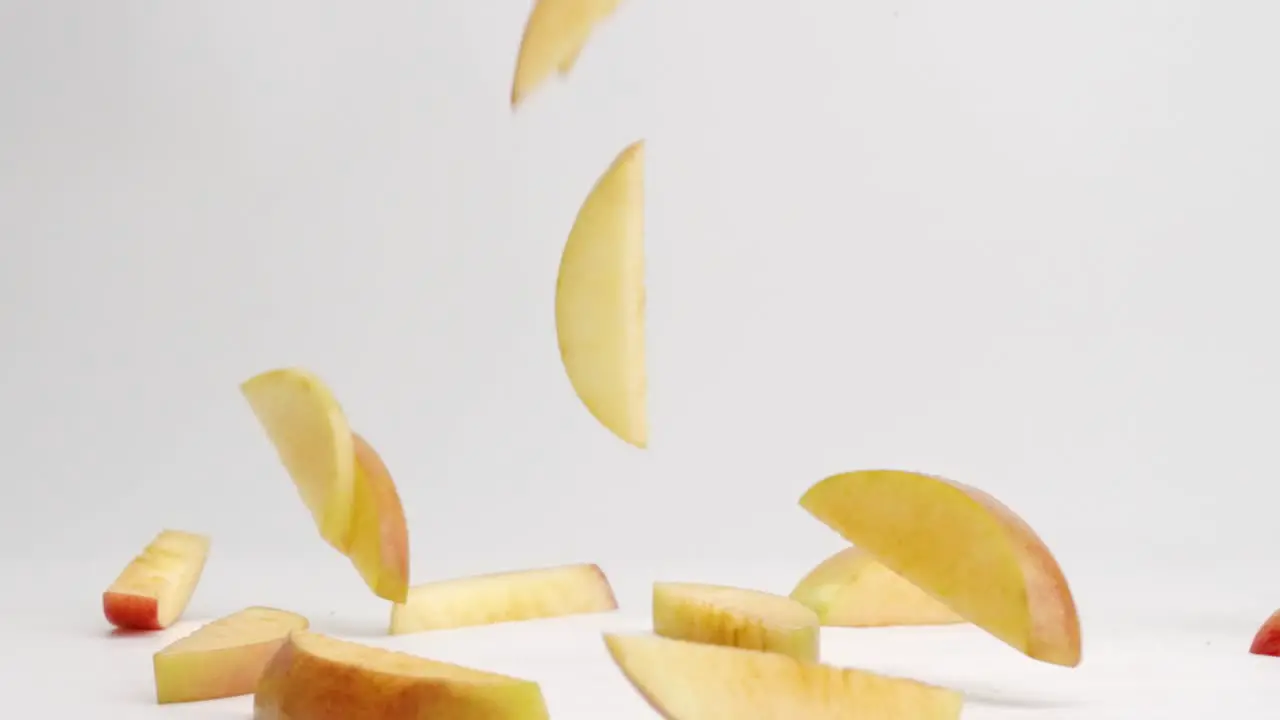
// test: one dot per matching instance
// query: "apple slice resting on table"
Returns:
(224, 658)
(154, 588)
(554, 36)
(853, 589)
(1267, 640)
(747, 619)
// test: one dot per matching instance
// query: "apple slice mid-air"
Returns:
(853, 589)
(154, 588)
(379, 542)
(1267, 639)
(685, 680)
(961, 546)
(554, 36)
(747, 619)
(224, 658)
(600, 300)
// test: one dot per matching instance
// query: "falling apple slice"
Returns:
(379, 542)
(155, 587)
(504, 597)
(694, 681)
(554, 36)
(1267, 641)
(224, 658)
(600, 299)
(852, 589)
(746, 619)
(959, 545)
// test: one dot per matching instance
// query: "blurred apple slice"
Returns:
(554, 36)
(379, 541)
(1267, 640)
(154, 588)
(224, 658)
(747, 619)
(600, 300)
(684, 680)
(504, 597)
(852, 589)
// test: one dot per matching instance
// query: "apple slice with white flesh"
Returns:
(154, 588)
(961, 546)
(600, 300)
(554, 36)
(685, 680)
(747, 619)
(224, 658)
(853, 589)
(504, 597)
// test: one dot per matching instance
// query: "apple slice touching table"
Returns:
(747, 619)
(379, 542)
(600, 300)
(853, 589)
(1267, 641)
(684, 680)
(224, 658)
(554, 36)
(504, 597)
(961, 546)
(315, 677)
(155, 587)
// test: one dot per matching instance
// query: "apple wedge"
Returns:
(747, 619)
(600, 300)
(314, 677)
(853, 589)
(694, 681)
(504, 597)
(154, 588)
(224, 658)
(554, 36)
(379, 542)
(1267, 641)
(961, 546)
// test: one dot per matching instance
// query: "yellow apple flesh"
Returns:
(154, 588)
(554, 36)
(379, 542)
(224, 658)
(747, 619)
(853, 589)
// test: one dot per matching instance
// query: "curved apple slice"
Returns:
(379, 541)
(961, 546)
(554, 36)
(1267, 639)
(852, 589)
(747, 619)
(600, 300)
(154, 588)
(224, 658)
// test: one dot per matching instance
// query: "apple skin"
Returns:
(1267, 641)
(379, 541)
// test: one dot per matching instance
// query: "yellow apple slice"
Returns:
(155, 587)
(554, 36)
(694, 681)
(224, 658)
(315, 677)
(600, 300)
(961, 546)
(310, 433)
(504, 597)
(747, 619)
(379, 542)
(852, 589)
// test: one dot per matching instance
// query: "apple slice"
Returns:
(961, 546)
(155, 587)
(554, 36)
(379, 541)
(685, 680)
(852, 589)
(504, 597)
(1267, 641)
(224, 658)
(310, 433)
(747, 619)
(600, 300)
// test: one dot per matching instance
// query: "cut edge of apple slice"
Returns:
(155, 587)
(738, 617)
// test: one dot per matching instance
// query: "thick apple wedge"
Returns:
(746, 619)
(379, 541)
(853, 589)
(694, 681)
(600, 300)
(504, 597)
(315, 677)
(1267, 641)
(961, 546)
(155, 587)
(554, 36)
(224, 658)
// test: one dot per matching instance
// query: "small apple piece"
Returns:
(1267, 641)
(747, 619)
(852, 589)
(600, 300)
(554, 36)
(961, 546)
(224, 658)
(314, 677)
(685, 680)
(155, 587)
(379, 541)
(504, 597)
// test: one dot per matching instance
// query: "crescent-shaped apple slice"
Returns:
(554, 37)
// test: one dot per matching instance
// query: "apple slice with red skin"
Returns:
(1267, 641)
(154, 588)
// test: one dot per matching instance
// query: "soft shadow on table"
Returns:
(999, 699)
(345, 626)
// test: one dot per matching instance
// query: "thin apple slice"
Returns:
(554, 36)
(154, 588)
(961, 546)
(1267, 641)
(224, 658)
(685, 680)
(600, 300)
(379, 542)
(747, 619)
(504, 597)
(315, 677)
(853, 589)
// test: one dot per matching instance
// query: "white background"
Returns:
(1026, 245)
